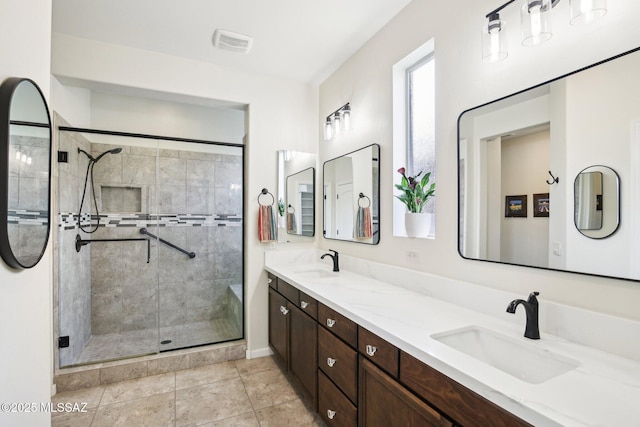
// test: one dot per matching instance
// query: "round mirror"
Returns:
(597, 202)
(25, 158)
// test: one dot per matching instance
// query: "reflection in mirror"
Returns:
(300, 202)
(509, 146)
(597, 202)
(290, 164)
(25, 138)
(351, 187)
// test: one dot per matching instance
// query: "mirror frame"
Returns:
(324, 196)
(460, 189)
(313, 202)
(7, 90)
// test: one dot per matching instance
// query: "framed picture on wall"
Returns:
(515, 206)
(541, 205)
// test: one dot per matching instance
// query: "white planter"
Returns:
(417, 224)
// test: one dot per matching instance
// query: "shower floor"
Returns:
(101, 348)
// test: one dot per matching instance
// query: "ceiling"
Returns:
(302, 40)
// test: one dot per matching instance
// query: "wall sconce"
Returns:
(337, 122)
(536, 28)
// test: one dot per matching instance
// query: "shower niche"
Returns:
(159, 227)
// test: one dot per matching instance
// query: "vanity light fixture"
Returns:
(337, 122)
(536, 27)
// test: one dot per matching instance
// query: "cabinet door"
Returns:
(278, 327)
(383, 402)
(303, 352)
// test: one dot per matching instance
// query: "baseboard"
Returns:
(261, 352)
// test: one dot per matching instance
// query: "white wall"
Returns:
(463, 81)
(25, 296)
(280, 115)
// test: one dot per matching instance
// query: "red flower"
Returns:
(402, 171)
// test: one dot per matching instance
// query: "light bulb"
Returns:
(337, 127)
(586, 11)
(23, 158)
(29, 160)
(346, 118)
(535, 22)
(18, 155)
(494, 39)
(328, 130)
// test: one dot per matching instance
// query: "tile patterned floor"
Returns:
(115, 346)
(251, 393)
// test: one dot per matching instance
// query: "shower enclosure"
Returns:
(150, 244)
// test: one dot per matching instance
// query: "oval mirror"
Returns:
(25, 156)
(597, 202)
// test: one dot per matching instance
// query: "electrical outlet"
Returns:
(412, 257)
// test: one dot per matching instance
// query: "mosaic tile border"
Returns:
(27, 217)
(68, 220)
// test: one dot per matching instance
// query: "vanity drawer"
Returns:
(379, 351)
(339, 362)
(272, 281)
(289, 292)
(338, 324)
(308, 305)
(333, 406)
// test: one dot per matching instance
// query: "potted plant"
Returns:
(281, 221)
(415, 195)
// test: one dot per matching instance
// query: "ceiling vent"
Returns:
(227, 40)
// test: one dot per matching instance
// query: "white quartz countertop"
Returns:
(604, 390)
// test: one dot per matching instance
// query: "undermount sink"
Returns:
(316, 273)
(519, 359)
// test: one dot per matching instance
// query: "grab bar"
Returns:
(80, 242)
(146, 233)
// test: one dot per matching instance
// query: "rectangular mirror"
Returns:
(296, 195)
(351, 188)
(516, 146)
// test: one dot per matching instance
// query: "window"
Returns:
(414, 125)
(421, 144)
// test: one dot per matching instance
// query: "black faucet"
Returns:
(531, 330)
(335, 259)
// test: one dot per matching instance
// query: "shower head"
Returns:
(114, 151)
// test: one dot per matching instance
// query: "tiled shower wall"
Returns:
(194, 195)
(195, 203)
(74, 269)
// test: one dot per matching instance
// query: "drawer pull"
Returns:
(331, 362)
(304, 304)
(284, 310)
(331, 414)
(269, 280)
(330, 323)
(371, 350)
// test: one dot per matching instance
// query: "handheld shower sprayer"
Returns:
(89, 174)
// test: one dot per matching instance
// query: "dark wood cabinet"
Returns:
(383, 402)
(293, 337)
(379, 351)
(339, 362)
(463, 405)
(303, 344)
(278, 327)
(333, 406)
(353, 377)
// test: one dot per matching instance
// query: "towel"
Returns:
(291, 223)
(267, 226)
(364, 226)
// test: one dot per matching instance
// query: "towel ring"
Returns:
(293, 210)
(362, 196)
(265, 192)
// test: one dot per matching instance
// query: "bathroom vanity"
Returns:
(368, 352)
